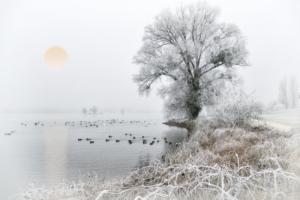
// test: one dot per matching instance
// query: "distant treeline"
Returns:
(90, 111)
(289, 93)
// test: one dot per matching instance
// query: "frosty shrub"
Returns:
(237, 111)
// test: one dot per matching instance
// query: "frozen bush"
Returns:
(237, 111)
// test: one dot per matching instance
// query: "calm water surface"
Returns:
(49, 152)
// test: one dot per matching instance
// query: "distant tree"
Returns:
(84, 111)
(94, 110)
(192, 51)
(283, 93)
(293, 90)
(122, 111)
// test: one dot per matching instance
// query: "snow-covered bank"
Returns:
(279, 126)
(289, 119)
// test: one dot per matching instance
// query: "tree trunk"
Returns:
(189, 125)
(193, 102)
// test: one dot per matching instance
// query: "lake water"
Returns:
(44, 148)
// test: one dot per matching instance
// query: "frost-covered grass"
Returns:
(87, 187)
(215, 163)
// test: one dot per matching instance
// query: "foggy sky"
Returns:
(101, 38)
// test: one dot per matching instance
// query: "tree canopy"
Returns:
(193, 51)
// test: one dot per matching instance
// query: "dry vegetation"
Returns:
(218, 163)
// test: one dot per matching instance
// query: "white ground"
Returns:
(285, 120)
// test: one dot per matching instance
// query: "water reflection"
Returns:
(55, 144)
(175, 136)
(143, 161)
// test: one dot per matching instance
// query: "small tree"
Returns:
(192, 50)
(84, 111)
(94, 110)
(293, 92)
(283, 94)
(236, 109)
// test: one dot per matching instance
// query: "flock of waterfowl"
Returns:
(35, 123)
(99, 123)
(130, 138)
(90, 124)
(87, 139)
(10, 133)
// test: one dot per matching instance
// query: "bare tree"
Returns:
(293, 92)
(283, 94)
(193, 51)
(84, 111)
(94, 110)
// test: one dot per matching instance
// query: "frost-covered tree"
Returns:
(94, 110)
(84, 111)
(193, 51)
(283, 93)
(236, 108)
(293, 92)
